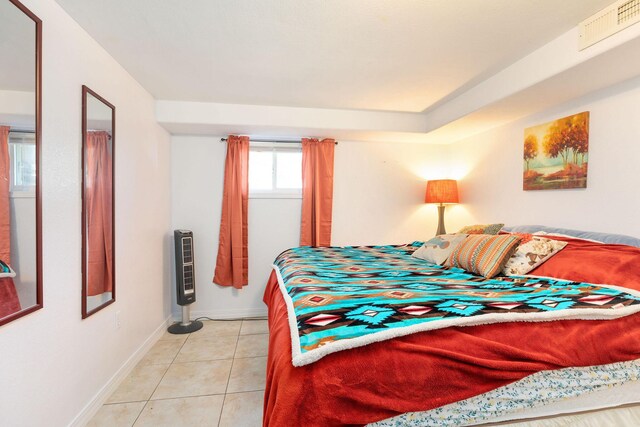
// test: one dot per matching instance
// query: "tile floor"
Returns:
(213, 377)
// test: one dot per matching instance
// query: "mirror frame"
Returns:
(85, 93)
(38, 137)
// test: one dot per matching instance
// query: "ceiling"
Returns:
(392, 55)
(17, 49)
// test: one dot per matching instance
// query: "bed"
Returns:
(9, 301)
(471, 374)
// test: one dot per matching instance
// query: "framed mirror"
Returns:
(20, 178)
(98, 207)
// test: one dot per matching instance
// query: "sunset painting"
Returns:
(556, 154)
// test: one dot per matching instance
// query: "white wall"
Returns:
(16, 109)
(378, 194)
(54, 363)
(492, 186)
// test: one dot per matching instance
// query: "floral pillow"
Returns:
(532, 252)
(481, 229)
(438, 249)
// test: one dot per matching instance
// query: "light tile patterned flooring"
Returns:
(213, 377)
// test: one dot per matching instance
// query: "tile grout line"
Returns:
(169, 367)
(163, 375)
(175, 361)
(245, 391)
(229, 377)
(140, 413)
(190, 396)
(122, 403)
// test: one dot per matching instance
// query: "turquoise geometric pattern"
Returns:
(551, 304)
(461, 308)
(370, 314)
(344, 297)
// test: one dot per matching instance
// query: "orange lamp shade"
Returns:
(442, 191)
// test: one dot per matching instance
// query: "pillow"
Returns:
(438, 249)
(524, 237)
(533, 251)
(585, 235)
(483, 254)
(568, 236)
(5, 270)
(481, 229)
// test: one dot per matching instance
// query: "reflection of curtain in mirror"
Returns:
(5, 177)
(99, 202)
(9, 302)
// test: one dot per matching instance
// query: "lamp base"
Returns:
(441, 229)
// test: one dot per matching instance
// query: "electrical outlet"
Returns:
(117, 319)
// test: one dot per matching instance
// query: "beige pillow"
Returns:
(438, 249)
(531, 254)
(482, 229)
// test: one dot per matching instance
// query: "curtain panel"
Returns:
(317, 191)
(232, 261)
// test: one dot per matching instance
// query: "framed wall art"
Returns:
(556, 154)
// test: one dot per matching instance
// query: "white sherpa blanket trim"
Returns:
(301, 359)
(10, 273)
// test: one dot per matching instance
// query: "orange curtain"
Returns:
(99, 209)
(317, 192)
(232, 263)
(9, 301)
(5, 215)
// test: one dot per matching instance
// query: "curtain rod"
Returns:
(297, 141)
(98, 130)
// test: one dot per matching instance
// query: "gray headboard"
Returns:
(618, 239)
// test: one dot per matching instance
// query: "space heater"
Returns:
(185, 282)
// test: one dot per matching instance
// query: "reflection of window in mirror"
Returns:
(22, 155)
(20, 212)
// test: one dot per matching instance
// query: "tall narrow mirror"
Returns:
(98, 231)
(20, 118)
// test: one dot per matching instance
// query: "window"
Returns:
(22, 157)
(275, 170)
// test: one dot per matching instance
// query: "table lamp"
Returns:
(441, 191)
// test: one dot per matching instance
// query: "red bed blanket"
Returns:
(430, 369)
(9, 302)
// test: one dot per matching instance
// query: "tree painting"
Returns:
(530, 149)
(556, 154)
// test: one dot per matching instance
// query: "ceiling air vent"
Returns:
(608, 21)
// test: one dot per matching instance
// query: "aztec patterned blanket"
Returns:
(344, 297)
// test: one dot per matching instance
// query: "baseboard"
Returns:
(98, 400)
(237, 313)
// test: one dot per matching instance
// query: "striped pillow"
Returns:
(483, 254)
